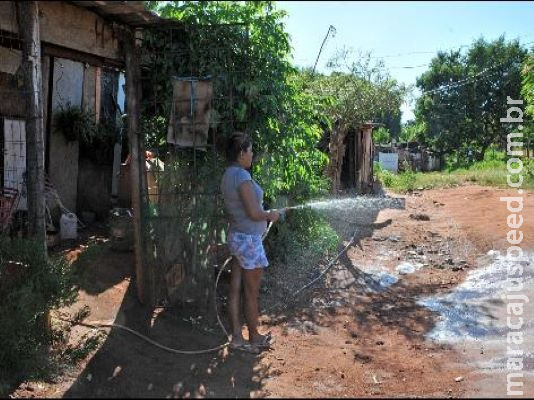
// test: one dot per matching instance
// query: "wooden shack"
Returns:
(82, 64)
(351, 158)
(69, 53)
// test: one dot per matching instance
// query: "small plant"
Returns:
(304, 235)
(387, 178)
(32, 285)
(88, 343)
(76, 124)
(96, 140)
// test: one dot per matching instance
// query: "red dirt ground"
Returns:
(373, 344)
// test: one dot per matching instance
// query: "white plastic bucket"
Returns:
(68, 226)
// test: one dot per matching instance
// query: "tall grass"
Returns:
(491, 171)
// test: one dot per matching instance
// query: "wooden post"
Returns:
(336, 152)
(28, 21)
(133, 95)
(365, 178)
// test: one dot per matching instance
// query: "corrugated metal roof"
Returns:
(132, 13)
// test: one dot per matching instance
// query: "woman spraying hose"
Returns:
(243, 200)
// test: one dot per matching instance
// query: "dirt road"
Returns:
(363, 332)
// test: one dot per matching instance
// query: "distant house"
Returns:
(395, 157)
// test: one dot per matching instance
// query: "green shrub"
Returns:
(528, 170)
(388, 178)
(30, 285)
(488, 164)
(75, 124)
(304, 235)
(492, 153)
(407, 180)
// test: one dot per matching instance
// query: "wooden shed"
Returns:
(351, 158)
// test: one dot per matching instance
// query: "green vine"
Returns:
(76, 124)
(96, 140)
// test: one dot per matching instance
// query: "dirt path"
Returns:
(342, 340)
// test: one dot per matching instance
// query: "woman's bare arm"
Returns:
(252, 208)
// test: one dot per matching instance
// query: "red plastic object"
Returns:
(8, 204)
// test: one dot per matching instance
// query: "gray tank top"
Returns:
(239, 220)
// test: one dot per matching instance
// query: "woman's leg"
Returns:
(252, 279)
(234, 301)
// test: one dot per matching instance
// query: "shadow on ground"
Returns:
(126, 366)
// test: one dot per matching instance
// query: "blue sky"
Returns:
(403, 34)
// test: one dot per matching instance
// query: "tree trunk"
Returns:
(28, 21)
(480, 156)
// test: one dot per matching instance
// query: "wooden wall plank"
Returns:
(74, 27)
(89, 88)
(67, 25)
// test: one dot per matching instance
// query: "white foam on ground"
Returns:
(465, 312)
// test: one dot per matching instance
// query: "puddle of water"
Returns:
(378, 280)
(408, 268)
(468, 312)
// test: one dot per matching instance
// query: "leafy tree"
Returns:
(442, 107)
(464, 96)
(355, 92)
(272, 106)
(498, 68)
(412, 131)
(381, 135)
(527, 91)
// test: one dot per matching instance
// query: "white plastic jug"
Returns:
(68, 226)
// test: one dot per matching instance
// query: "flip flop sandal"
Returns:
(245, 347)
(267, 342)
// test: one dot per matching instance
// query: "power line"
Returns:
(409, 67)
(468, 79)
(436, 51)
(465, 81)
(426, 65)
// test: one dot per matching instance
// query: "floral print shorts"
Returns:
(248, 249)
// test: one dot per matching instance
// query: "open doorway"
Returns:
(348, 168)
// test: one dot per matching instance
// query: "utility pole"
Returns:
(332, 30)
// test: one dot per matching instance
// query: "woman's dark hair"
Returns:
(237, 143)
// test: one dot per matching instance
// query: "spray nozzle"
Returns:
(281, 213)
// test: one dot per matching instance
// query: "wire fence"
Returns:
(192, 101)
(13, 95)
